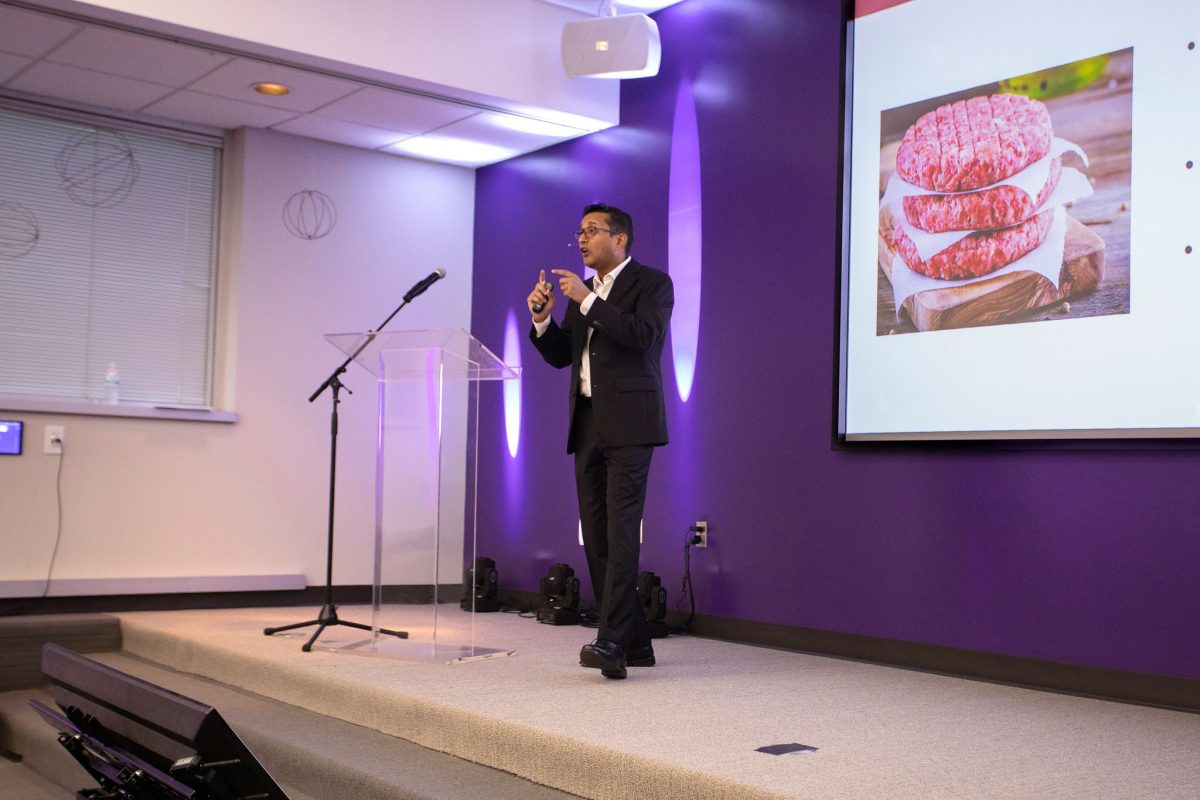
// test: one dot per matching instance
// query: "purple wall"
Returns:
(1085, 556)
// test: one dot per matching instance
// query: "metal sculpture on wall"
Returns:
(97, 168)
(19, 230)
(309, 214)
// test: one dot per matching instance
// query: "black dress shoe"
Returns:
(606, 656)
(640, 657)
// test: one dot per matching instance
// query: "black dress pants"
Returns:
(611, 484)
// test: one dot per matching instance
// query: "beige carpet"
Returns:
(20, 783)
(688, 728)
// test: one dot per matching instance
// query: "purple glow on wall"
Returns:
(981, 558)
(512, 388)
(684, 237)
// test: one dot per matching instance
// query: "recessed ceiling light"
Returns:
(272, 89)
(452, 151)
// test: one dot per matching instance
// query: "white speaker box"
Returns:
(624, 46)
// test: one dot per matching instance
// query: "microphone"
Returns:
(424, 283)
(537, 307)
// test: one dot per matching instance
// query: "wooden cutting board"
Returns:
(1005, 298)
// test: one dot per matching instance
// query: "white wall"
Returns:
(151, 498)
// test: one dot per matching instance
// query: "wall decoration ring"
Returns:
(309, 214)
(97, 168)
(19, 230)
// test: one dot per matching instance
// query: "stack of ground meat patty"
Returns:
(964, 155)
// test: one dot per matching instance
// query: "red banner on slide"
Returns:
(864, 7)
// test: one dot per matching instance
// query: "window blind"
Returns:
(107, 242)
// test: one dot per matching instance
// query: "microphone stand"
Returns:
(328, 615)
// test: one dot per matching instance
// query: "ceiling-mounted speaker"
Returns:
(624, 46)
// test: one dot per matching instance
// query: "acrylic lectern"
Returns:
(425, 486)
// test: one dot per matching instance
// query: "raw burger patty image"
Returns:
(986, 209)
(979, 253)
(974, 143)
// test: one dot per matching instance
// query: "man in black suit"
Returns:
(612, 338)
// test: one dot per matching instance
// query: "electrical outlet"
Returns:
(702, 533)
(53, 439)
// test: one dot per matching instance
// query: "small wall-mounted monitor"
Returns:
(10, 437)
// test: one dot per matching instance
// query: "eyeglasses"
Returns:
(590, 231)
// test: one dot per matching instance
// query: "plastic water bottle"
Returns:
(112, 385)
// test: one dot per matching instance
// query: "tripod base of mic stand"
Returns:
(326, 618)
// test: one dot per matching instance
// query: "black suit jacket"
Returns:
(628, 332)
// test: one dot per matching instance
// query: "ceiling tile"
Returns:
(395, 111)
(10, 65)
(220, 112)
(132, 56)
(310, 90)
(333, 130)
(85, 86)
(26, 33)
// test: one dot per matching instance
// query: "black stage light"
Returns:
(654, 603)
(480, 586)
(560, 597)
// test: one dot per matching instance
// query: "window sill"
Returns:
(50, 405)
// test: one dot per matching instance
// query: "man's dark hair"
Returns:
(618, 222)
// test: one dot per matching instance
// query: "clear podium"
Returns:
(426, 478)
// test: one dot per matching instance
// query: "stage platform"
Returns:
(691, 727)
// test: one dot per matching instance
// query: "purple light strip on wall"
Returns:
(684, 238)
(512, 388)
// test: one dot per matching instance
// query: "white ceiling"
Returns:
(93, 63)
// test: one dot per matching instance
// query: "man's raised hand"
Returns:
(541, 299)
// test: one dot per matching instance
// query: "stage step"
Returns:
(19, 782)
(310, 755)
(21, 640)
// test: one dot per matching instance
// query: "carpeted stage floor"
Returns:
(689, 728)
